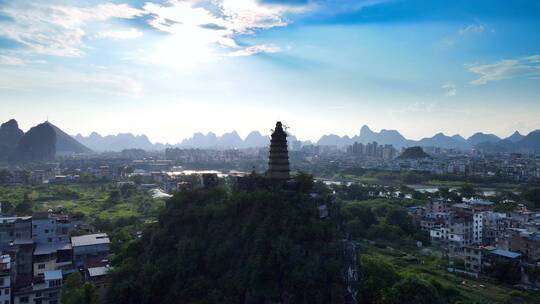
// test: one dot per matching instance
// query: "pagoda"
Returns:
(278, 164)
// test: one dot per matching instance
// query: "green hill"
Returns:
(213, 246)
(414, 153)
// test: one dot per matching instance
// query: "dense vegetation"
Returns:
(414, 153)
(211, 246)
(119, 211)
(398, 178)
(75, 291)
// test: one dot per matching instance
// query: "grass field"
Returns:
(91, 201)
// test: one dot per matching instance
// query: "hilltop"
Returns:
(213, 247)
(42, 142)
(414, 153)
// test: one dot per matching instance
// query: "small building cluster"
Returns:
(476, 238)
(39, 252)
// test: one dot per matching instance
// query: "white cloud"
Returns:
(120, 35)
(198, 26)
(450, 88)
(10, 60)
(57, 30)
(256, 49)
(246, 16)
(472, 28)
(528, 67)
(476, 28)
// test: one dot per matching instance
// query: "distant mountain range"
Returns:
(123, 141)
(489, 142)
(118, 142)
(11, 136)
(519, 143)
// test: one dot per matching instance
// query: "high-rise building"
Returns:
(278, 164)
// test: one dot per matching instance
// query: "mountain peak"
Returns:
(480, 137)
(365, 131)
(10, 135)
(254, 133)
(459, 138)
(515, 137)
(11, 123)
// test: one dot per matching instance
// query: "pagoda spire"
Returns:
(278, 163)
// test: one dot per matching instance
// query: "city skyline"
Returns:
(168, 69)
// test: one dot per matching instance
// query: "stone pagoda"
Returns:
(278, 164)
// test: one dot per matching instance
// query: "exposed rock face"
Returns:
(350, 273)
(38, 144)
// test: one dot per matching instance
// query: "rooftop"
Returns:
(12, 219)
(90, 239)
(50, 248)
(506, 253)
(98, 271)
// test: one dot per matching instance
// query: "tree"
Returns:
(114, 198)
(508, 272)
(411, 290)
(377, 275)
(400, 218)
(305, 182)
(468, 191)
(25, 206)
(444, 192)
(127, 190)
(383, 231)
(75, 291)
(532, 195)
(359, 219)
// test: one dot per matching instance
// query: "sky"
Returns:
(170, 68)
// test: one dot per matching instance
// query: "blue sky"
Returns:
(171, 68)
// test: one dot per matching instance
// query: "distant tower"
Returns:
(278, 164)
